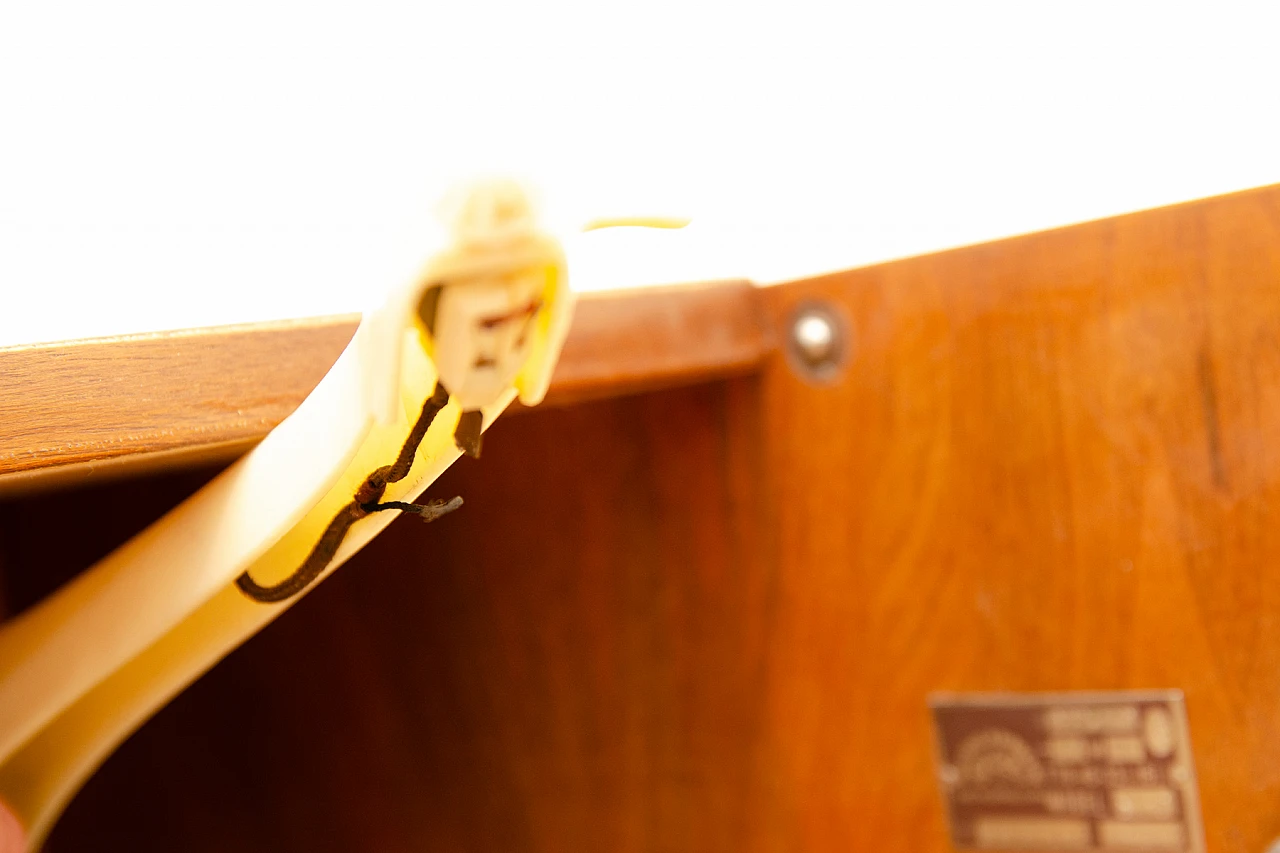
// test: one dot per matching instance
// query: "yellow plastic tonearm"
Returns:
(421, 380)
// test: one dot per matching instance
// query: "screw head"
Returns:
(817, 341)
(815, 337)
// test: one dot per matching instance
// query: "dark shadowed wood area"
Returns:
(708, 618)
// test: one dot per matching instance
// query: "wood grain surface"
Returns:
(1051, 465)
(89, 410)
(86, 404)
(708, 619)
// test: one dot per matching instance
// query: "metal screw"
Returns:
(817, 342)
(816, 337)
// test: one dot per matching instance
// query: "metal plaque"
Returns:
(1068, 771)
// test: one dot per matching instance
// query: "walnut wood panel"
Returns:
(91, 409)
(1051, 465)
(708, 619)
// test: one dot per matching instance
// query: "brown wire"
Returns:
(365, 501)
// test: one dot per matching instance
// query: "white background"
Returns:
(164, 165)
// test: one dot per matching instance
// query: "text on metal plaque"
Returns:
(1068, 771)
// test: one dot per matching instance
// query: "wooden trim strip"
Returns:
(642, 340)
(92, 409)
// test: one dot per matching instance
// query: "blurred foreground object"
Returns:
(82, 669)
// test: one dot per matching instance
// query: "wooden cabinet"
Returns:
(698, 601)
